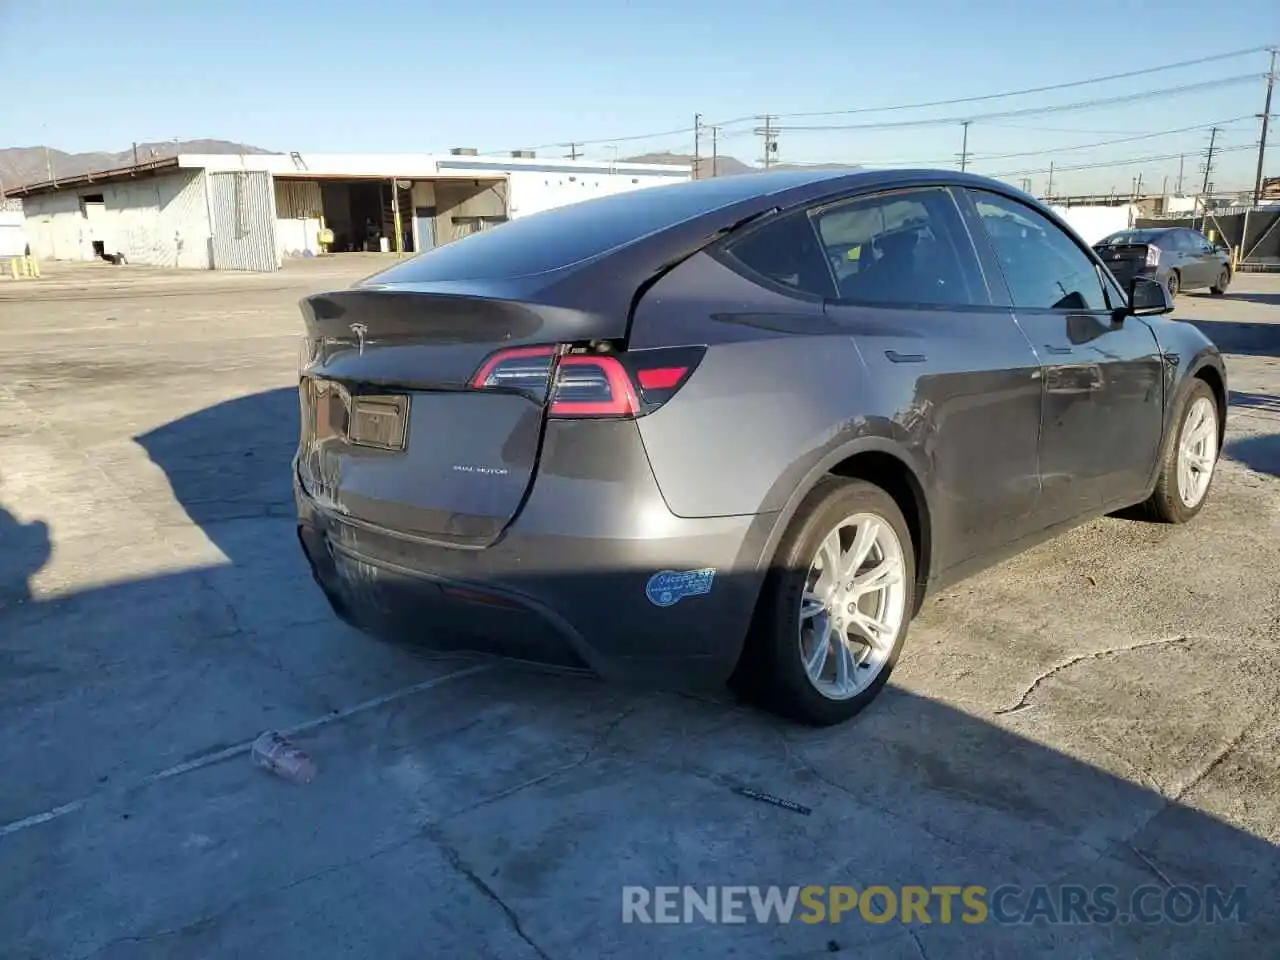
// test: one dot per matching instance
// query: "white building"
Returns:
(251, 211)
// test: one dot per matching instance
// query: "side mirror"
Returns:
(1148, 298)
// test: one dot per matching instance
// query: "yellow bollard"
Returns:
(13, 267)
(34, 266)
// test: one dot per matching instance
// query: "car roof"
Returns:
(586, 230)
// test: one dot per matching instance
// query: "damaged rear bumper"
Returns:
(627, 590)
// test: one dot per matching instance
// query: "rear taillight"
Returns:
(592, 384)
(1153, 256)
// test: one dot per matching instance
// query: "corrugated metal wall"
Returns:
(298, 199)
(160, 221)
(244, 221)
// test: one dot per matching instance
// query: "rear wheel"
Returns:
(1186, 471)
(836, 606)
(1219, 288)
(1173, 284)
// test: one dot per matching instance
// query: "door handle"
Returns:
(897, 357)
(1059, 351)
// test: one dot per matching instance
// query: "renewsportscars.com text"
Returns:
(939, 903)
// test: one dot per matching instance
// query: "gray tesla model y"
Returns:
(735, 429)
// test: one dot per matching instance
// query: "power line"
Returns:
(1101, 143)
(1103, 165)
(935, 103)
(1033, 111)
(1235, 54)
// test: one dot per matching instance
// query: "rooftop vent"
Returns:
(523, 154)
(463, 151)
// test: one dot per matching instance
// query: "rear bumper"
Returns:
(570, 582)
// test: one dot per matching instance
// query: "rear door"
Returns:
(1103, 387)
(955, 375)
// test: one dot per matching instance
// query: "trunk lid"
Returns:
(392, 432)
(1123, 252)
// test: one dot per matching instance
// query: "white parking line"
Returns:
(239, 748)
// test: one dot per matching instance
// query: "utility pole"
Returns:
(697, 143)
(1138, 189)
(1049, 189)
(964, 146)
(1266, 117)
(770, 134)
(573, 151)
(715, 151)
(1208, 171)
(1180, 159)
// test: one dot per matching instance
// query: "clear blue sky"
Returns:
(416, 76)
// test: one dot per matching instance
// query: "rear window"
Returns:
(1130, 236)
(566, 235)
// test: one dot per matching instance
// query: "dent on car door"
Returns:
(1103, 386)
(950, 372)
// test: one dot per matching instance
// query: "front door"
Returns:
(1103, 388)
(961, 380)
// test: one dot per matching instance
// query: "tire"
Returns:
(1224, 278)
(1173, 284)
(1167, 503)
(773, 671)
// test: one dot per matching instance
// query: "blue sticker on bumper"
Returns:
(671, 586)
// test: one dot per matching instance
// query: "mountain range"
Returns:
(21, 165)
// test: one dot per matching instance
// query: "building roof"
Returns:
(368, 166)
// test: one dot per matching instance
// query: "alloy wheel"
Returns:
(853, 607)
(1197, 451)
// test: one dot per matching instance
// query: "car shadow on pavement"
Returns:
(496, 813)
(1246, 339)
(1267, 299)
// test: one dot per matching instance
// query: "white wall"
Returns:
(1094, 223)
(155, 220)
(533, 191)
(298, 213)
(13, 236)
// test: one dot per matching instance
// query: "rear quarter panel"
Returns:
(769, 403)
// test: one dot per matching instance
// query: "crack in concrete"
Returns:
(452, 855)
(919, 946)
(1216, 762)
(1024, 703)
(587, 755)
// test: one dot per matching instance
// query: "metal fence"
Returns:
(1252, 233)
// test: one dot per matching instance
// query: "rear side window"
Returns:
(567, 235)
(906, 247)
(787, 254)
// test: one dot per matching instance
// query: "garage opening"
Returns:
(359, 215)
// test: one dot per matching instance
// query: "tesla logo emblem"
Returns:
(359, 329)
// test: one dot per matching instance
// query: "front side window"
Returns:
(1044, 268)
(905, 247)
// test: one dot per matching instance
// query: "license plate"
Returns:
(379, 421)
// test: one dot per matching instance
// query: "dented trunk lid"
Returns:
(392, 433)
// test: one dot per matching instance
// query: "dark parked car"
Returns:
(736, 428)
(1176, 257)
